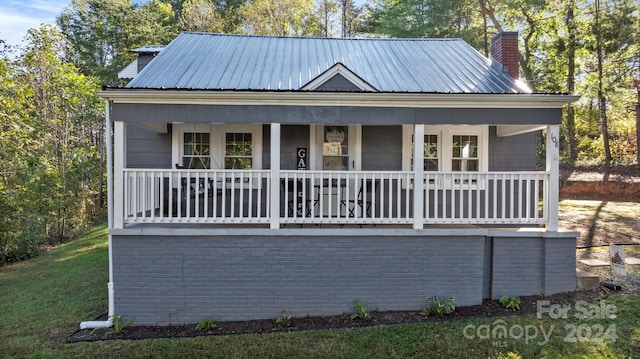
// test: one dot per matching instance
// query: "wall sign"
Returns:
(302, 158)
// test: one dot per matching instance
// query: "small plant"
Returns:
(439, 306)
(206, 325)
(118, 324)
(510, 302)
(361, 310)
(284, 320)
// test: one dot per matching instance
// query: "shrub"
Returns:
(206, 325)
(510, 303)
(284, 320)
(439, 306)
(119, 324)
(361, 310)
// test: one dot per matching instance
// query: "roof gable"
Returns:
(259, 63)
(336, 78)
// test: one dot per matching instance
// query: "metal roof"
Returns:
(206, 61)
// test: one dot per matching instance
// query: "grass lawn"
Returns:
(43, 301)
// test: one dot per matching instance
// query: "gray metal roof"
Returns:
(236, 62)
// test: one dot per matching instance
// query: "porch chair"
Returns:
(368, 189)
(294, 203)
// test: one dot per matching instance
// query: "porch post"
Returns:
(274, 197)
(119, 163)
(418, 176)
(553, 171)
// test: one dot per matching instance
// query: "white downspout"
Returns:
(108, 138)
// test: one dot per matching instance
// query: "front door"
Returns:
(336, 148)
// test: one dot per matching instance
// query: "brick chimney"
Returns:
(504, 49)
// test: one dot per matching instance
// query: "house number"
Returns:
(554, 139)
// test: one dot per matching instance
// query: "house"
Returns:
(257, 174)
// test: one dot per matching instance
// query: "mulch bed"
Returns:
(488, 308)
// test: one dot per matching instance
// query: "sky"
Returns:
(18, 16)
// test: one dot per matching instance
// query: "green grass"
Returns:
(42, 301)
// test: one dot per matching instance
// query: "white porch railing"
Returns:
(196, 196)
(333, 197)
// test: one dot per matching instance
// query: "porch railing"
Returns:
(333, 197)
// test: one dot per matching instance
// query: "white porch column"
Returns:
(119, 163)
(418, 179)
(274, 197)
(553, 170)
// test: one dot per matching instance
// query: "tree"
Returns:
(210, 16)
(103, 32)
(327, 15)
(279, 18)
(51, 118)
(427, 18)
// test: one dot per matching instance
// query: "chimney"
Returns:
(504, 49)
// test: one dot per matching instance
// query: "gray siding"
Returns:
(168, 113)
(512, 153)
(382, 148)
(523, 266)
(183, 278)
(338, 83)
(169, 280)
(147, 148)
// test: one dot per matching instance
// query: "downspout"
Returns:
(108, 139)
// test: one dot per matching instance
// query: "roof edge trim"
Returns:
(355, 99)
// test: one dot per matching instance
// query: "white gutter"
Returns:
(359, 99)
(108, 137)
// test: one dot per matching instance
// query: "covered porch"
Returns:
(277, 198)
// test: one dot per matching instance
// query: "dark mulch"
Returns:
(488, 308)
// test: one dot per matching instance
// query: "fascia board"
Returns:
(356, 99)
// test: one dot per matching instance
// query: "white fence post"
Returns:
(418, 179)
(553, 169)
(274, 205)
(119, 156)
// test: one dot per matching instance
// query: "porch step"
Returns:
(593, 262)
(586, 280)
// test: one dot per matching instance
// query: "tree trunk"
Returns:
(637, 84)
(602, 101)
(571, 64)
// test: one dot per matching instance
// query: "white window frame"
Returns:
(217, 138)
(445, 146)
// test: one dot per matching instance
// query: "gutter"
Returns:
(357, 99)
(108, 137)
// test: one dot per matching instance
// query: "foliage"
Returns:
(119, 324)
(206, 325)
(284, 320)
(50, 162)
(439, 306)
(279, 18)
(510, 302)
(362, 311)
(102, 33)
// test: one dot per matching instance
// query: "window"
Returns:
(216, 146)
(465, 153)
(430, 153)
(238, 151)
(335, 148)
(196, 150)
(449, 148)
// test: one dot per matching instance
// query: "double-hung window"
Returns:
(196, 150)
(238, 153)
(449, 148)
(213, 146)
